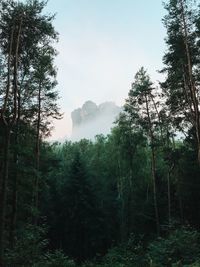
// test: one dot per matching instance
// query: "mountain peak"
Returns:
(92, 119)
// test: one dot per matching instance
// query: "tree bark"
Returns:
(3, 195)
(192, 86)
(4, 173)
(169, 192)
(37, 155)
(8, 123)
(15, 179)
(155, 192)
(153, 167)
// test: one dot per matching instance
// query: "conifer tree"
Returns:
(182, 68)
(141, 109)
(81, 215)
(28, 91)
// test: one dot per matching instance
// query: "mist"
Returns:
(91, 120)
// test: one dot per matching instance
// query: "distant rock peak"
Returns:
(92, 119)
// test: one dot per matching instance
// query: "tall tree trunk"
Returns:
(180, 202)
(153, 167)
(159, 118)
(13, 215)
(37, 155)
(3, 195)
(169, 192)
(15, 179)
(4, 173)
(122, 202)
(8, 123)
(171, 147)
(131, 218)
(192, 86)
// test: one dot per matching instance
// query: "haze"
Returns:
(102, 45)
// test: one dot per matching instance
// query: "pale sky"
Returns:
(102, 45)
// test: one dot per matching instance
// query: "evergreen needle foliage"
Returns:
(128, 199)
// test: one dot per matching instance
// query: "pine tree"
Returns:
(182, 68)
(29, 99)
(81, 216)
(144, 116)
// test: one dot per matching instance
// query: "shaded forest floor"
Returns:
(180, 248)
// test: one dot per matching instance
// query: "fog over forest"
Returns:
(124, 189)
(91, 119)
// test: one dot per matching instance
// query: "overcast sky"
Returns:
(102, 45)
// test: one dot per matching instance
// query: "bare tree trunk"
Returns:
(159, 118)
(4, 173)
(188, 96)
(15, 180)
(14, 207)
(192, 86)
(153, 168)
(3, 195)
(155, 192)
(8, 123)
(169, 192)
(180, 200)
(37, 155)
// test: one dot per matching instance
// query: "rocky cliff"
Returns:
(92, 119)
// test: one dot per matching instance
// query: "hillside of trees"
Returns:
(128, 199)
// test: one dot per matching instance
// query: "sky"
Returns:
(102, 44)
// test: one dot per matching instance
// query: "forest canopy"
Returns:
(130, 198)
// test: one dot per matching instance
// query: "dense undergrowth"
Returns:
(128, 199)
(180, 248)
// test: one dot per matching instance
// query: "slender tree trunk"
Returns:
(1, 155)
(121, 197)
(193, 90)
(14, 206)
(169, 193)
(4, 173)
(15, 120)
(131, 184)
(159, 118)
(3, 195)
(155, 192)
(153, 167)
(37, 155)
(181, 209)
(15, 181)
(180, 200)
(9, 123)
(188, 96)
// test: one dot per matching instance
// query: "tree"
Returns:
(81, 217)
(9, 111)
(130, 158)
(27, 87)
(143, 115)
(43, 84)
(182, 67)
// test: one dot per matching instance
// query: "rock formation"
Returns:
(91, 119)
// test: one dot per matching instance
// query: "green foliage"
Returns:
(95, 195)
(80, 219)
(197, 264)
(55, 259)
(29, 251)
(127, 254)
(130, 254)
(182, 245)
(29, 247)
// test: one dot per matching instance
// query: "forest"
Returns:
(128, 199)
